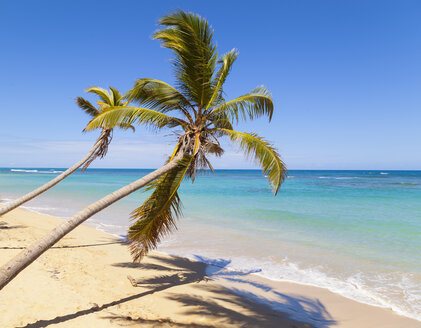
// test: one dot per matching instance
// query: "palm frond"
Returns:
(86, 106)
(219, 120)
(115, 96)
(189, 36)
(263, 152)
(226, 61)
(115, 116)
(213, 148)
(251, 105)
(160, 96)
(101, 93)
(125, 126)
(156, 217)
(223, 123)
(103, 105)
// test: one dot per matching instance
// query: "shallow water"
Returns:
(357, 233)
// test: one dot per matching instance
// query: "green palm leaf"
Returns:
(263, 152)
(115, 96)
(114, 116)
(219, 120)
(102, 94)
(251, 105)
(156, 217)
(189, 36)
(125, 126)
(226, 62)
(159, 95)
(87, 107)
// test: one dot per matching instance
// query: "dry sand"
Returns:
(82, 282)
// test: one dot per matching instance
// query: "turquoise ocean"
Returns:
(356, 233)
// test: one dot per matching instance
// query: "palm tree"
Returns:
(107, 99)
(203, 117)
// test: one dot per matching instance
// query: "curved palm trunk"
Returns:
(32, 252)
(21, 200)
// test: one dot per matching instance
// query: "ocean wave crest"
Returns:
(36, 171)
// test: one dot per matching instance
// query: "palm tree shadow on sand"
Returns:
(253, 310)
(298, 307)
(222, 307)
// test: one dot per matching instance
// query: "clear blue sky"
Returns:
(345, 77)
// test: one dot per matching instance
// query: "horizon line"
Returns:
(221, 169)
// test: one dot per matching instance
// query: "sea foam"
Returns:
(36, 171)
(358, 287)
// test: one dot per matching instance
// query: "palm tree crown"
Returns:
(111, 98)
(198, 107)
(108, 99)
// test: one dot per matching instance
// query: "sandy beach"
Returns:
(83, 282)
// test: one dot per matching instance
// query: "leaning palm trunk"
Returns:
(11, 269)
(95, 151)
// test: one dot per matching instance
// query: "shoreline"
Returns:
(96, 225)
(382, 304)
(274, 301)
